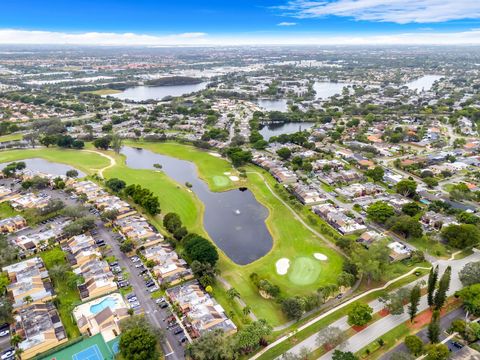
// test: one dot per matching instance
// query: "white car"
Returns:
(8, 353)
(4, 332)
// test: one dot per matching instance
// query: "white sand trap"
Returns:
(282, 266)
(234, 178)
(215, 154)
(227, 173)
(320, 256)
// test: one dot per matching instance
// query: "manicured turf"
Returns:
(208, 166)
(103, 92)
(11, 137)
(304, 271)
(221, 181)
(82, 160)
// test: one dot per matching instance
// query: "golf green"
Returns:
(221, 180)
(304, 271)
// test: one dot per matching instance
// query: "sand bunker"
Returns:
(234, 178)
(227, 173)
(282, 266)
(320, 257)
(215, 154)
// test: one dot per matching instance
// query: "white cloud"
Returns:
(397, 11)
(8, 36)
(286, 23)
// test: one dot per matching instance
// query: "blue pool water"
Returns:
(107, 302)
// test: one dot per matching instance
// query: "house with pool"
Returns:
(102, 316)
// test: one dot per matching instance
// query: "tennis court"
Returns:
(91, 353)
(92, 348)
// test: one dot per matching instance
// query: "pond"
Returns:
(326, 89)
(234, 219)
(275, 129)
(44, 166)
(423, 83)
(273, 105)
(142, 93)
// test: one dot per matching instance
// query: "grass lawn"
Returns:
(6, 211)
(67, 298)
(210, 168)
(431, 247)
(103, 92)
(11, 137)
(173, 197)
(82, 160)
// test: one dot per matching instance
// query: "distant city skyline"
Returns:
(251, 22)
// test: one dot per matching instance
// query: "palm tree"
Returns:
(18, 353)
(246, 310)
(232, 293)
(15, 340)
(28, 299)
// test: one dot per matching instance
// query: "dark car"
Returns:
(177, 330)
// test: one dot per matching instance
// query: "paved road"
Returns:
(445, 323)
(172, 349)
(380, 327)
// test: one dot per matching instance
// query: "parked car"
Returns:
(160, 300)
(177, 330)
(163, 305)
(153, 289)
(8, 353)
(123, 283)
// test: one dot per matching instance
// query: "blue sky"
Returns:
(242, 21)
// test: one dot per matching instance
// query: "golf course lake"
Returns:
(234, 219)
(143, 93)
(44, 166)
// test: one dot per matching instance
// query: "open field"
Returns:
(103, 92)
